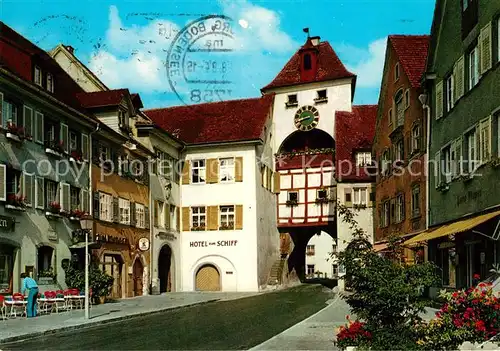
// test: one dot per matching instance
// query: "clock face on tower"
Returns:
(306, 118)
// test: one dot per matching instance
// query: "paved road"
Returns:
(236, 324)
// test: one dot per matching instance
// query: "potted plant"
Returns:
(76, 156)
(229, 226)
(55, 207)
(54, 147)
(76, 214)
(16, 202)
(291, 203)
(15, 132)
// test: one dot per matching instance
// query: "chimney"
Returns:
(70, 48)
(315, 41)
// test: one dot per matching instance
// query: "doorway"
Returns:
(208, 279)
(165, 268)
(7, 253)
(138, 271)
(113, 265)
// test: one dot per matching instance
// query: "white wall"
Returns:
(339, 99)
(240, 257)
(323, 247)
(81, 77)
(364, 218)
(268, 241)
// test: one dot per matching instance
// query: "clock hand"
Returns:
(304, 118)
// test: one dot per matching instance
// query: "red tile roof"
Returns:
(102, 98)
(19, 56)
(225, 121)
(329, 68)
(353, 131)
(412, 54)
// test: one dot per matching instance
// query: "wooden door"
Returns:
(138, 271)
(208, 279)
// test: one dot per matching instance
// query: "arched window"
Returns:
(307, 61)
(400, 108)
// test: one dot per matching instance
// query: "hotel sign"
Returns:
(7, 223)
(218, 243)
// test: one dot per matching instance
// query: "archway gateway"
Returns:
(164, 269)
(208, 278)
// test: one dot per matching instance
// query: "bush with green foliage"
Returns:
(386, 292)
(100, 282)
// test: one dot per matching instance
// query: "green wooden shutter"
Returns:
(3, 182)
(133, 219)
(64, 137)
(116, 210)
(485, 48)
(28, 189)
(1, 109)
(96, 205)
(28, 121)
(39, 193)
(39, 127)
(85, 147)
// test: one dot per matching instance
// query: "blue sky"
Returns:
(121, 41)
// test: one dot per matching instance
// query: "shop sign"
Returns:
(105, 238)
(166, 236)
(7, 223)
(446, 245)
(213, 243)
(144, 244)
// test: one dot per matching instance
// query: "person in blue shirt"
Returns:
(32, 287)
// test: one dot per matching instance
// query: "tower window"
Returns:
(307, 61)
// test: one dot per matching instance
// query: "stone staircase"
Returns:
(276, 274)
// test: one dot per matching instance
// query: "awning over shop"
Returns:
(377, 247)
(81, 245)
(452, 228)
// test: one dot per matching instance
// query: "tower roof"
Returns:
(329, 67)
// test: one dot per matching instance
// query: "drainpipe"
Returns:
(91, 208)
(427, 113)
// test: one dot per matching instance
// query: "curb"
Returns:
(328, 304)
(23, 337)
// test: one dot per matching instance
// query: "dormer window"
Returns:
(307, 62)
(123, 121)
(38, 76)
(50, 82)
(292, 100)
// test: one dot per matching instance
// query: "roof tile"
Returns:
(412, 54)
(329, 68)
(225, 121)
(102, 98)
(353, 131)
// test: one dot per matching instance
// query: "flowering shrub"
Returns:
(77, 155)
(468, 315)
(54, 145)
(353, 334)
(77, 213)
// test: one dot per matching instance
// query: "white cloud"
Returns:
(261, 31)
(366, 63)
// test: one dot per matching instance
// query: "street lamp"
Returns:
(86, 225)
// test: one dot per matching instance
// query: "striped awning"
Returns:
(452, 228)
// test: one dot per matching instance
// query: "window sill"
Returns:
(13, 137)
(74, 160)
(226, 228)
(15, 208)
(320, 100)
(53, 152)
(291, 104)
(74, 219)
(52, 214)
(198, 229)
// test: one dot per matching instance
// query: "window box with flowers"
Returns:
(15, 202)
(55, 148)
(15, 133)
(291, 203)
(75, 215)
(54, 209)
(76, 157)
(198, 229)
(229, 226)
